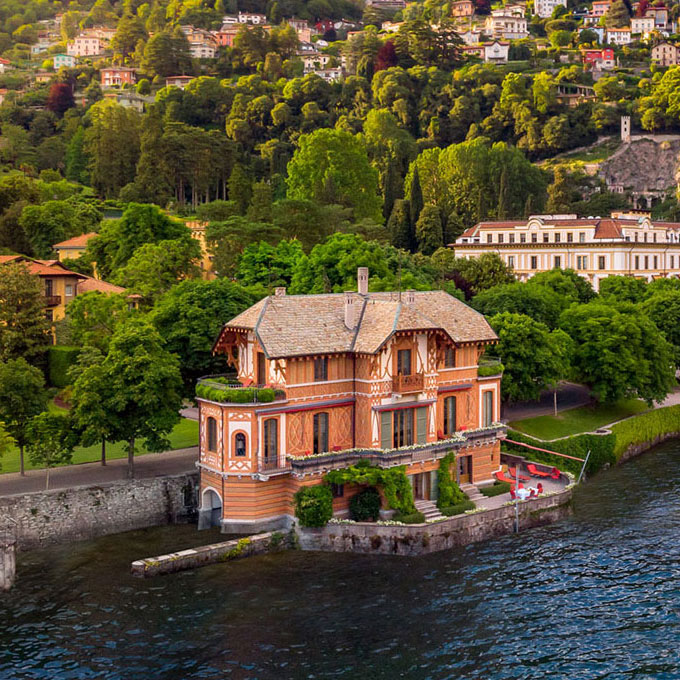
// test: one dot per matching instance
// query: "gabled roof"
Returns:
(76, 241)
(40, 267)
(299, 325)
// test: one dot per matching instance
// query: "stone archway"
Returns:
(210, 512)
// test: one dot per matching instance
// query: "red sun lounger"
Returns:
(512, 472)
(533, 470)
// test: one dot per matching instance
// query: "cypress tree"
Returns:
(429, 231)
(417, 202)
(504, 204)
(400, 227)
(391, 187)
(529, 207)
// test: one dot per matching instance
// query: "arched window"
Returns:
(240, 444)
(212, 434)
(449, 415)
(320, 432)
(271, 441)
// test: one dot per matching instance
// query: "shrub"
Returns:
(314, 505)
(365, 506)
(486, 370)
(410, 518)
(495, 489)
(458, 508)
(645, 428)
(449, 491)
(60, 358)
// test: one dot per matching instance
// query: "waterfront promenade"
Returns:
(91, 474)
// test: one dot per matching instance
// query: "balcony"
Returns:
(226, 390)
(52, 300)
(407, 384)
(490, 366)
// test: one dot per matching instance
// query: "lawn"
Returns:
(576, 420)
(183, 436)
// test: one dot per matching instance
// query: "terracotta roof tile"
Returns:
(105, 287)
(76, 241)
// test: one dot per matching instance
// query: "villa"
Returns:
(327, 380)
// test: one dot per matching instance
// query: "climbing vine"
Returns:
(393, 481)
(449, 492)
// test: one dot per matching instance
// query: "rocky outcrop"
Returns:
(644, 165)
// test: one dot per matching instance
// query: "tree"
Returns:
(331, 166)
(93, 317)
(22, 396)
(560, 192)
(156, 267)
(24, 332)
(129, 32)
(618, 15)
(88, 411)
(566, 283)
(51, 439)
(240, 188)
(482, 273)
(619, 352)
(167, 54)
(416, 196)
(117, 240)
(189, 318)
(6, 441)
(139, 387)
(399, 226)
(663, 309)
(623, 288)
(534, 357)
(429, 232)
(268, 265)
(60, 98)
(538, 302)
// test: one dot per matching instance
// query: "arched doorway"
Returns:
(210, 513)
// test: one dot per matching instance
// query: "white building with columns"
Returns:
(595, 247)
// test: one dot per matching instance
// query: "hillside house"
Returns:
(118, 76)
(545, 8)
(387, 377)
(601, 60)
(619, 36)
(251, 18)
(666, 54)
(66, 60)
(85, 46)
(462, 8)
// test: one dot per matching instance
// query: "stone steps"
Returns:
(429, 509)
(472, 492)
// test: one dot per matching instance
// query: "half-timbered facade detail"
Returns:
(325, 380)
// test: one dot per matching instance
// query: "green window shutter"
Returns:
(386, 430)
(421, 419)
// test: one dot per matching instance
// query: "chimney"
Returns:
(362, 280)
(409, 297)
(279, 292)
(352, 307)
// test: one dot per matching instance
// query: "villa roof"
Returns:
(605, 227)
(41, 267)
(298, 325)
(76, 241)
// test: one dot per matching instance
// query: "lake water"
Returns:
(595, 596)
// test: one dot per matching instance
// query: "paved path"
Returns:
(89, 474)
(569, 395)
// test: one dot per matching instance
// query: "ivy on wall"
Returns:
(449, 491)
(393, 481)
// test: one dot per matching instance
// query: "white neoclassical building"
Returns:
(595, 247)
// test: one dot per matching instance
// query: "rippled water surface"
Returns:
(596, 596)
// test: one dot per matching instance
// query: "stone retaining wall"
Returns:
(212, 554)
(86, 512)
(420, 539)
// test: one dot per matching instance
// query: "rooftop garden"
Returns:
(226, 391)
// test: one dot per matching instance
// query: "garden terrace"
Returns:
(225, 390)
(322, 462)
(490, 366)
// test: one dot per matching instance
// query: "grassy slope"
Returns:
(183, 436)
(581, 419)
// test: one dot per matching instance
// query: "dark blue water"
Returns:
(596, 596)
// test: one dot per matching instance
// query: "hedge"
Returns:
(410, 518)
(60, 358)
(314, 505)
(458, 508)
(495, 489)
(601, 449)
(365, 506)
(243, 395)
(645, 427)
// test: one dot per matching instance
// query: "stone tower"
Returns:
(625, 129)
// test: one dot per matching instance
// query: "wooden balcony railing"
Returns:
(268, 464)
(52, 300)
(406, 384)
